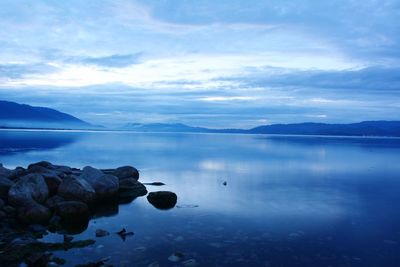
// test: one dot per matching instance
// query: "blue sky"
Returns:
(208, 63)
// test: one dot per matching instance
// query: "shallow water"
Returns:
(289, 200)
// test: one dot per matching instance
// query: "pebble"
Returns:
(190, 263)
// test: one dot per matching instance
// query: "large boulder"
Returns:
(28, 190)
(52, 202)
(126, 172)
(162, 199)
(105, 185)
(72, 211)
(4, 171)
(53, 181)
(34, 214)
(5, 185)
(74, 188)
(17, 173)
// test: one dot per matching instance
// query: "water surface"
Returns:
(289, 200)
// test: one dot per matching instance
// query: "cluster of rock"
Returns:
(46, 193)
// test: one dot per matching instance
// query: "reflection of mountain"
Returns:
(14, 141)
(366, 128)
(19, 115)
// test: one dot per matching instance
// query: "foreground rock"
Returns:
(105, 185)
(162, 199)
(75, 188)
(43, 192)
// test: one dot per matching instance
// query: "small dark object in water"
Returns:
(162, 199)
(187, 206)
(225, 183)
(154, 183)
(95, 264)
(123, 234)
(68, 238)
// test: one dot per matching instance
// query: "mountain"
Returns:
(20, 115)
(366, 128)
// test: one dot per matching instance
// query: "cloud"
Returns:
(115, 61)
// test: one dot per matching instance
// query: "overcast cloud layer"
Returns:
(209, 63)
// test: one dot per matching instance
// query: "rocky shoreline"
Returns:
(61, 199)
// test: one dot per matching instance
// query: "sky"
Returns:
(220, 64)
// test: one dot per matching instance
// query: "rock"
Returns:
(3, 215)
(105, 185)
(155, 183)
(5, 172)
(52, 202)
(44, 164)
(190, 263)
(38, 259)
(162, 199)
(52, 181)
(63, 169)
(72, 211)
(34, 214)
(5, 185)
(101, 233)
(17, 173)
(27, 190)
(126, 172)
(9, 210)
(177, 256)
(130, 189)
(74, 188)
(67, 238)
(1, 203)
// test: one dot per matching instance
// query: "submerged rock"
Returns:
(74, 188)
(101, 233)
(105, 185)
(162, 199)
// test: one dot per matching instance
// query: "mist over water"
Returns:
(288, 200)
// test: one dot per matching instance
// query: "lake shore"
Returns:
(59, 199)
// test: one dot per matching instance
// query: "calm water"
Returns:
(289, 201)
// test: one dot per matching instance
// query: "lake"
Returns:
(288, 200)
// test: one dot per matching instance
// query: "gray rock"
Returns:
(53, 181)
(72, 211)
(105, 185)
(126, 172)
(9, 210)
(162, 199)
(17, 173)
(44, 164)
(74, 188)
(28, 190)
(131, 190)
(63, 169)
(34, 214)
(52, 202)
(5, 185)
(5, 172)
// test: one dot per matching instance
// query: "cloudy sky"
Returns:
(227, 63)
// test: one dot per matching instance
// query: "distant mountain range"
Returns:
(14, 115)
(24, 116)
(366, 128)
